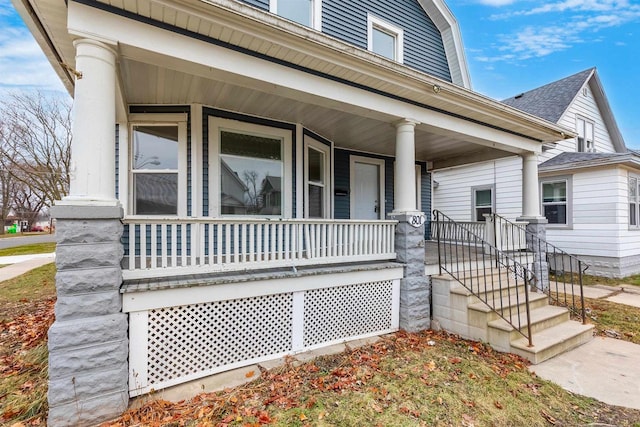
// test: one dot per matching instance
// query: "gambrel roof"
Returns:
(552, 100)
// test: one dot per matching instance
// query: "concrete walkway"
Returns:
(20, 264)
(605, 369)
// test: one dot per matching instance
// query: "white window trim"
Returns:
(352, 173)
(418, 188)
(637, 202)
(568, 179)
(316, 12)
(159, 120)
(215, 125)
(491, 187)
(593, 142)
(397, 32)
(328, 185)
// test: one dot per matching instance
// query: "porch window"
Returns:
(554, 201)
(154, 169)
(634, 202)
(317, 179)
(250, 169)
(585, 135)
(385, 39)
(305, 12)
(482, 202)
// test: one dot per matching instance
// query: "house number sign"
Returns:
(417, 220)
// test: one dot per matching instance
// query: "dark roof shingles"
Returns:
(551, 100)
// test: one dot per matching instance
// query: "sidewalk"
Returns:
(20, 264)
(604, 368)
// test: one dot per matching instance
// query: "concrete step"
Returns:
(553, 341)
(509, 303)
(501, 333)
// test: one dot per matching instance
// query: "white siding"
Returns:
(585, 107)
(453, 193)
(630, 237)
(599, 213)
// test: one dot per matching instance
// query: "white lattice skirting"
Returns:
(179, 335)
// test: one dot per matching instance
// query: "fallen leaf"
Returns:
(249, 374)
(303, 417)
(498, 404)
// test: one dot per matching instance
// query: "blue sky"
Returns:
(511, 46)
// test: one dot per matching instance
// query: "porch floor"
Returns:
(192, 280)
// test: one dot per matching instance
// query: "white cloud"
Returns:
(568, 22)
(22, 62)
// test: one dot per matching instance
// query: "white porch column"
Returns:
(530, 192)
(94, 118)
(405, 170)
(88, 343)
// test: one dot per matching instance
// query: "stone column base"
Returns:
(88, 344)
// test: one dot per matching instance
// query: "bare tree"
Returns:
(35, 148)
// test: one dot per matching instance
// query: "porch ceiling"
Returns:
(374, 132)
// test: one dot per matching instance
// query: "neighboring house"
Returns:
(344, 105)
(588, 184)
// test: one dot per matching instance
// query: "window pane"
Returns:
(384, 43)
(632, 214)
(296, 10)
(316, 166)
(483, 198)
(251, 175)
(632, 189)
(554, 192)
(556, 214)
(156, 193)
(155, 147)
(589, 135)
(316, 201)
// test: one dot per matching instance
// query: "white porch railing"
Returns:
(505, 236)
(157, 247)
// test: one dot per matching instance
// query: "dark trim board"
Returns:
(210, 40)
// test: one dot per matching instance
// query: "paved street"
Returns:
(12, 242)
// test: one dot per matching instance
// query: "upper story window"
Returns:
(385, 39)
(157, 153)
(585, 135)
(305, 12)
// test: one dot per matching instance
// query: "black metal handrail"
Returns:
(483, 270)
(546, 258)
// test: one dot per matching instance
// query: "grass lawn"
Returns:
(426, 379)
(35, 248)
(26, 312)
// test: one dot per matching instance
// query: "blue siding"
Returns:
(423, 47)
(117, 161)
(347, 20)
(261, 4)
(425, 198)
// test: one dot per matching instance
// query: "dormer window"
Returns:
(385, 39)
(305, 12)
(585, 136)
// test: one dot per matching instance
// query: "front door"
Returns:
(366, 200)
